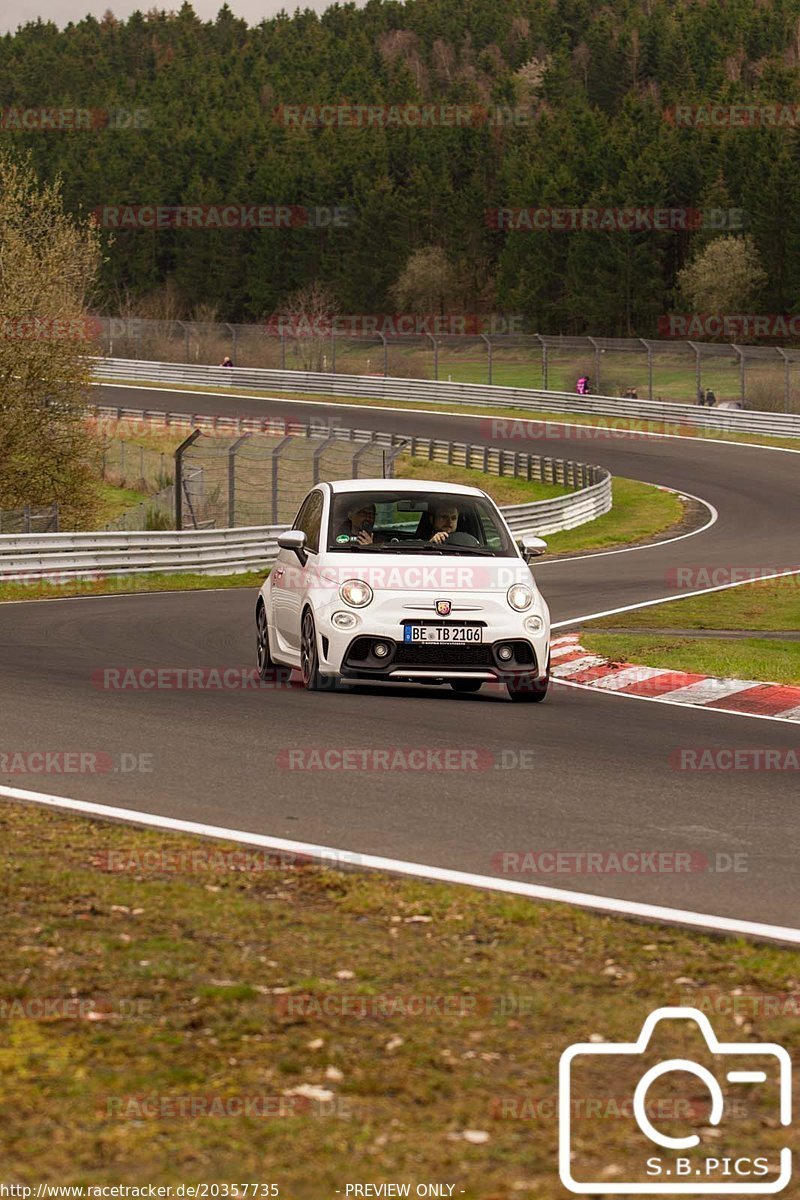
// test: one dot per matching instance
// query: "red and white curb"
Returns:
(573, 664)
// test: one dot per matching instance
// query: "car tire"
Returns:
(266, 667)
(313, 679)
(466, 685)
(529, 689)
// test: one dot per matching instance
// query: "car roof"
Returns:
(339, 486)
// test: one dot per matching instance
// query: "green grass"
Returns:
(128, 583)
(640, 512)
(522, 415)
(502, 489)
(768, 661)
(764, 605)
(115, 500)
(188, 974)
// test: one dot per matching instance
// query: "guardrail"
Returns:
(414, 391)
(62, 556)
(57, 557)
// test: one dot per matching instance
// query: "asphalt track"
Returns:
(582, 772)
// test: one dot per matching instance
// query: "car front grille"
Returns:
(452, 655)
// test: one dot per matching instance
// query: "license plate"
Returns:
(443, 634)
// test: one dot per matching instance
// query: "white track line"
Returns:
(626, 908)
(722, 587)
(700, 708)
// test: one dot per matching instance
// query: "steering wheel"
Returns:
(457, 538)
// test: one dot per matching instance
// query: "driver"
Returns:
(358, 522)
(444, 520)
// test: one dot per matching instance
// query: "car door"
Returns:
(290, 575)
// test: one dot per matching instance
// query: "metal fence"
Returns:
(711, 422)
(29, 520)
(764, 377)
(59, 557)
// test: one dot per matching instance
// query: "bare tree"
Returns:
(307, 317)
(48, 267)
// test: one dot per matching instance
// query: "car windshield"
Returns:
(416, 521)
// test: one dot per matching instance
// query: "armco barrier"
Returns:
(60, 556)
(413, 391)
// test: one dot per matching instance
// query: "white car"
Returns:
(404, 580)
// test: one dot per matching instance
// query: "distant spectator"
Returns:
(582, 386)
(226, 362)
(632, 394)
(711, 399)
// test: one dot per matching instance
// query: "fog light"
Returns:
(344, 620)
(380, 649)
(504, 653)
(534, 624)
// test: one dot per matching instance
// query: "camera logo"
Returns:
(732, 1078)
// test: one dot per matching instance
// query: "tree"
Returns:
(307, 317)
(48, 267)
(725, 277)
(428, 283)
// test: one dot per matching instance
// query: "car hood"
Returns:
(427, 573)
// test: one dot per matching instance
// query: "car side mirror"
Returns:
(293, 539)
(531, 546)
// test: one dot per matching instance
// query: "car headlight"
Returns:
(534, 624)
(519, 597)
(356, 593)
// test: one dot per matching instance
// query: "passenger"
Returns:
(358, 522)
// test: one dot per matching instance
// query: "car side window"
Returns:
(309, 519)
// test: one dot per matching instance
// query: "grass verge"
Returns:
(641, 512)
(410, 1031)
(110, 585)
(763, 605)
(113, 501)
(769, 661)
(501, 488)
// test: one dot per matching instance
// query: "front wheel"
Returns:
(527, 689)
(313, 679)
